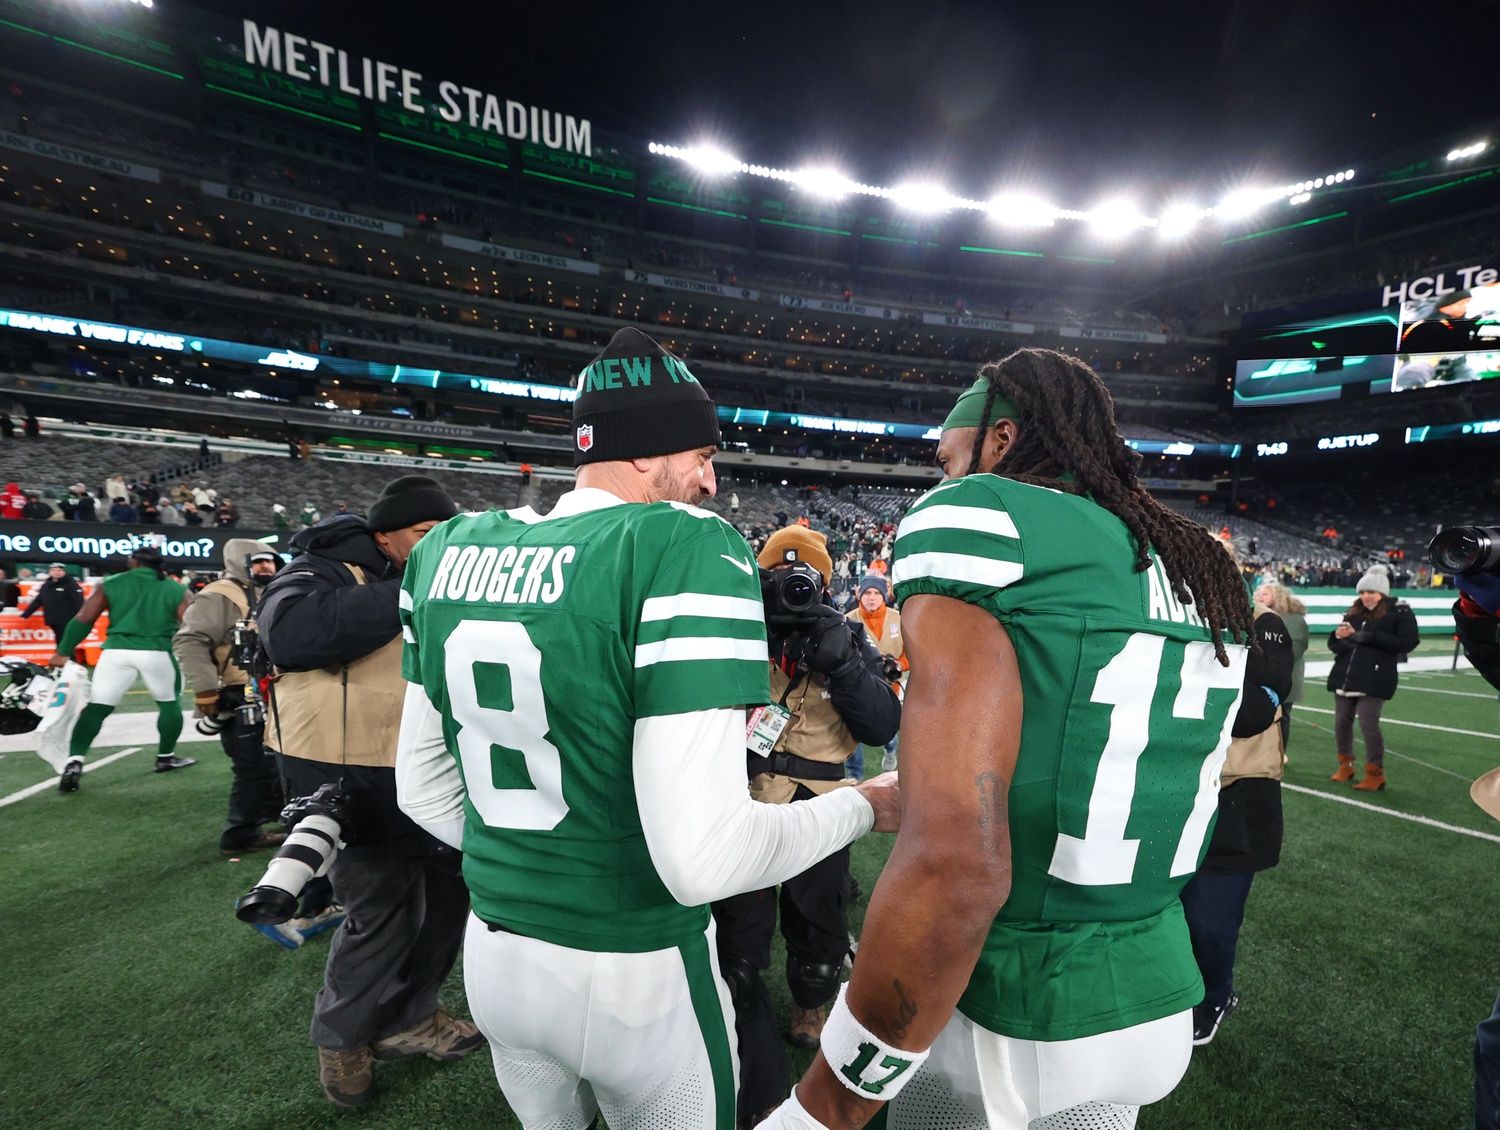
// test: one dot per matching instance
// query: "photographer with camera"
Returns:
(883, 622)
(830, 691)
(329, 623)
(1472, 555)
(226, 693)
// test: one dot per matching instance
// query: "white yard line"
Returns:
(1492, 697)
(1392, 812)
(1416, 725)
(43, 786)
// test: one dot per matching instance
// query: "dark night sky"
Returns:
(1072, 99)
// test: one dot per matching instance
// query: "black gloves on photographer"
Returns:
(831, 646)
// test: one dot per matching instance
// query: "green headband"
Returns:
(969, 410)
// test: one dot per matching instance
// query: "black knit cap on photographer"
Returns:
(636, 400)
(410, 501)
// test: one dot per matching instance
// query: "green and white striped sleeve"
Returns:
(411, 656)
(957, 541)
(701, 637)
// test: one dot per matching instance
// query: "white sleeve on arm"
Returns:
(429, 787)
(707, 838)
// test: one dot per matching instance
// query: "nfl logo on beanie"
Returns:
(636, 400)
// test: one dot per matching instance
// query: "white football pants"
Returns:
(975, 1079)
(646, 1038)
(119, 668)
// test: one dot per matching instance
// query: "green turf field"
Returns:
(135, 999)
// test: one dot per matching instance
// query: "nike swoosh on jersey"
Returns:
(743, 566)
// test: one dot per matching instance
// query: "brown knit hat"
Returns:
(797, 543)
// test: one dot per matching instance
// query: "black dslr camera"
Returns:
(1466, 550)
(315, 826)
(789, 593)
(246, 654)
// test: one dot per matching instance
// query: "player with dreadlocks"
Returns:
(1076, 666)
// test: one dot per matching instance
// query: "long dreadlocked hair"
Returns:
(1067, 420)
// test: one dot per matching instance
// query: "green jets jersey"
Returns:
(1126, 721)
(142, 610)
(540, 642)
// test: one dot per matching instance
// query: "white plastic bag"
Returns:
(70, 694)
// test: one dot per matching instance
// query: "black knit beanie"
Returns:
(636, 400)
(409, 500)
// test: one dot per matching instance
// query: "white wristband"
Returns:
(861, 1060)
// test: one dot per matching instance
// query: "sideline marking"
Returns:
(1459, 694)
(88, 767)
(1392, 812)
(1398, 722)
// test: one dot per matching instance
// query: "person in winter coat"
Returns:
(36, 509)
(59, 597)
(1293, 613)
(202, 646)
(330, 623)
(1247, 835)
(78, 504)
(121, 512)
(12, 501)
(1366, 646)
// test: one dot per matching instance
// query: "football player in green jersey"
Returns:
(1075, 669)
(576, 723)
(145, 606)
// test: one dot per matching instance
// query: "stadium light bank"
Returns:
(1111, 217)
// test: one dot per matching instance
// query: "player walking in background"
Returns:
(145, 607)
(589, 671)
(1068, 710)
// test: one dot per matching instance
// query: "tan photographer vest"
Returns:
(346, 713)
(890, 641)
(816, 731)
(1259, 755)
(230, 674)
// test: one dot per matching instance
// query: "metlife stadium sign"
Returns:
(377, 81)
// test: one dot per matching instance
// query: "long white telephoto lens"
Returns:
(305, 854)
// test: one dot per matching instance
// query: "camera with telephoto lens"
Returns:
(316, 824)
(1466, 550)
(790, 592)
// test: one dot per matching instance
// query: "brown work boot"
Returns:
(1374, 781)
(442, 1036)
(1345, 771)
(347, 1075)
(807, 1026)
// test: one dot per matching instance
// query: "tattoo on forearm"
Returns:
(905, 1014)
(991, 800)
